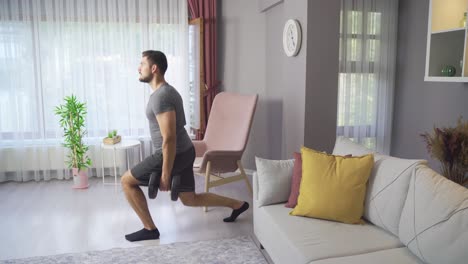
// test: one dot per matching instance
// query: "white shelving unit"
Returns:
(446, 41)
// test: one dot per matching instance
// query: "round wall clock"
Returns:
(292, 37)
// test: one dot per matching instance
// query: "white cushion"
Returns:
(386, 191)
(294, 239)
(345, 146)
(274, 180)
(388, 256)
(434, 222)
(197, 162)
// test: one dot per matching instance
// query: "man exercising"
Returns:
(174, 153)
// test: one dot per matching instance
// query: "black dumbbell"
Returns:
(175, 183)
(153, 186)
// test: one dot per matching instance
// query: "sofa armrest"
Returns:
(255, 187)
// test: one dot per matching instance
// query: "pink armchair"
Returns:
(225, 139)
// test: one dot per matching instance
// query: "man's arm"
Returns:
(167, 124)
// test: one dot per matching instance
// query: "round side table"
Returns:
(125, 144)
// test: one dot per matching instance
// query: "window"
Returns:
(368, 34)
(359, 51)
(196, 75)
(50, 49)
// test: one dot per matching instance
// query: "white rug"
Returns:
(233, 250)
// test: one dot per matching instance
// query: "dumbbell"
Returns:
(153, 186)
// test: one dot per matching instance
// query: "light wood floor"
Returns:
(47, 218)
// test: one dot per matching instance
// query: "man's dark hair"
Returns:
(158, 58)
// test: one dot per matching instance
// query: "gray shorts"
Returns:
(183, 165)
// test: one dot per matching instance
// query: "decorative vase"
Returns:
(463, 21)
(80, 179)
(449, 71)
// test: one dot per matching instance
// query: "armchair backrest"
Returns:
(230, 121)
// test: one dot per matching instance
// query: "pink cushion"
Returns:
(296, 181)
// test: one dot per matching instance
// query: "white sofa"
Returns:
(413, 215)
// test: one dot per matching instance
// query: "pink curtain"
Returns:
(206, 9)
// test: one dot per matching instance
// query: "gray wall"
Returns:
(241, 64)
(251, 60)
(322, 74)
(285, 80)
(250, 49)
(420, 105)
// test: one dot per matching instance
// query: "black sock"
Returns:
(237, 212)
(143, 234)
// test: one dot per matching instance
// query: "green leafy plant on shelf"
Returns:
(449, 145)
(72, 119)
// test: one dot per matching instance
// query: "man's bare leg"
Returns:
(137, 200)
(211, 199)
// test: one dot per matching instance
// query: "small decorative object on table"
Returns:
(449, 71)
(450, 147)
(112, 138)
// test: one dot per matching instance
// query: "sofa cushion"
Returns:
(389, 256)
(333, 187)
(289, 239)
(345, 146)
(296, 181)
(387, 190)
(274, 178)
(434, 221)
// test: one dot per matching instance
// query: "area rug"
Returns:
(232, 250)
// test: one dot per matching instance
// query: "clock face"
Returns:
(292, 37)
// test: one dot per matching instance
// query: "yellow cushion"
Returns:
(333, 187)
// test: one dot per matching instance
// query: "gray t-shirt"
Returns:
(165, 99)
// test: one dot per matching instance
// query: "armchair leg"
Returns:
(249, 186)
(207, 181)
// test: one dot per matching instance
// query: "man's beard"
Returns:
(146, 79)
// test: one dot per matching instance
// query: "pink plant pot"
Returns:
(80, 179)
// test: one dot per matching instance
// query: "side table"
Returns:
(125, 144)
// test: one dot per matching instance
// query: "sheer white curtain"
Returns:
(91, 48)
(367, 71)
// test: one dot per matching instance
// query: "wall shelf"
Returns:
(446, 41)
(445, 79)
(448, 30)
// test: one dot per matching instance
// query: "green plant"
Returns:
(72, 117)
(450, 147)
(112, 134)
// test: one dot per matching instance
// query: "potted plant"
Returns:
(112, 134)
(112, 138)
(72, 119)
(450, 147)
